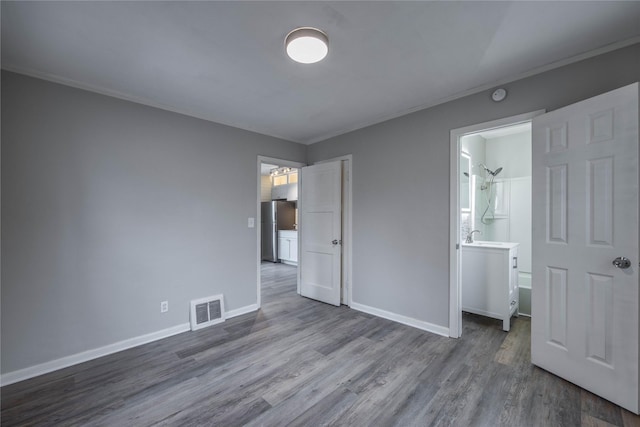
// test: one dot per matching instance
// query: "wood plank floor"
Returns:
(301, 362)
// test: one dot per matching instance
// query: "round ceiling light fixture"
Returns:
(307, 45)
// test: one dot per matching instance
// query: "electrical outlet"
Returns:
(251, 222)
(164, 306)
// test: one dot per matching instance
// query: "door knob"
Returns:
(621, 262)
(336, 241)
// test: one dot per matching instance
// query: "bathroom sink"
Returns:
(504, 245)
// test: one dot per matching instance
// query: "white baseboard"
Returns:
(409, 321)
(85, 356)
(74, 359)
(242, 310)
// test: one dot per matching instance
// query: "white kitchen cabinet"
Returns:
(490, 280)
(285, 187)
(293, 250)
(283, 249)
(292, 192)
(288, 246)
(285, 191)
(279, 192)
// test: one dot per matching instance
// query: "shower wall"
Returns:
(513, 154)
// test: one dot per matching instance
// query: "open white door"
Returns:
(585, 219)
(321, 232)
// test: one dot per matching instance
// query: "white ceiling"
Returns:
(505, 130)
(265, 168)
(225, 61)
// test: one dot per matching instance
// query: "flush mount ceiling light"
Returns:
(307, 45)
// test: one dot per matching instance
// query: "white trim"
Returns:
(74, 359)
(347, 238)
(242, 310)
(455, 294)
(85, 356)
(272, 161)
(300, 231)
(455, 302)
(409, 321)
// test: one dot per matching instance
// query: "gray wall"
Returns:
(108, 208)
(401, 182)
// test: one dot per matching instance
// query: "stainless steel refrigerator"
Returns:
(275, 216)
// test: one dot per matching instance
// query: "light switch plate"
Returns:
(251, 222)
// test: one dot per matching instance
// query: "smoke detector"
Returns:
(499, 94)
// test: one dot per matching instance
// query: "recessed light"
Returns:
(307, 45)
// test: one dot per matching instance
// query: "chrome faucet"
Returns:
(469, 238)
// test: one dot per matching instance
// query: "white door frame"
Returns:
(455, 291)
(347, 241)
(258, 222)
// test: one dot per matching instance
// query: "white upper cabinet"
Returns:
(285, 187)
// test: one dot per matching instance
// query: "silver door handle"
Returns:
(622, 262)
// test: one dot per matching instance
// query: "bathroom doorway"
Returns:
(491, 235)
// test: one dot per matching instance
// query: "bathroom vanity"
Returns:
(490, 280)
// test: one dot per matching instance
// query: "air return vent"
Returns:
(206, 312)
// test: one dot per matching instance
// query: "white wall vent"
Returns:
(207, 311)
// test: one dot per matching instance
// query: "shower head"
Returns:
(489, 171)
